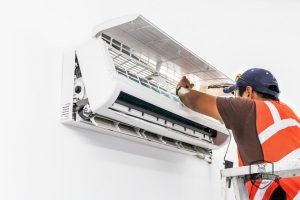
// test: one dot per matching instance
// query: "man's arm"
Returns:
(198, 101)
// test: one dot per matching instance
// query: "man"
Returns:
(265, 129)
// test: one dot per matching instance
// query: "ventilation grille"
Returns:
(143, 109)
(148, 84)
(141, 134)
(65, 111)
(126, 59)
(166, 75)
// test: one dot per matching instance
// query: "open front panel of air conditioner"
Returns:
(123, 82)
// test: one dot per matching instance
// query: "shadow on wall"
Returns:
(128, 152)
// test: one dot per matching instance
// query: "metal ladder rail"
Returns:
(236, 176)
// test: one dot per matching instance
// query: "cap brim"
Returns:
(230, 89)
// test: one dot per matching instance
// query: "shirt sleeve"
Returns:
(235, 110)
(239, 115)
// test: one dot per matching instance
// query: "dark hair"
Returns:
(242, 89)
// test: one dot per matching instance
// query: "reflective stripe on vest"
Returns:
(265, 185)
(278, 125)
(273, 129)
(297, 197)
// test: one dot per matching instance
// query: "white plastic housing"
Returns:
(125, 84)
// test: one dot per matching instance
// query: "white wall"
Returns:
(43, 159)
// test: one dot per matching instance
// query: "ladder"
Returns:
(264, 171)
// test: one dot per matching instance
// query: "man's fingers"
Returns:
(184, 82)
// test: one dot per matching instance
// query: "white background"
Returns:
(43, 159)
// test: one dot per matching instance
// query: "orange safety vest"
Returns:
(278, 129)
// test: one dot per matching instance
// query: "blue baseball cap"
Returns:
(260, 80)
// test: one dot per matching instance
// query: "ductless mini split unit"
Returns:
(122, 82)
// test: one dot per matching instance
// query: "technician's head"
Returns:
(255, 82)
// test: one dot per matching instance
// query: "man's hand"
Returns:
(184, 83)
(197, 101)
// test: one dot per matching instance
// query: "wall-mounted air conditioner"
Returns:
(122, 82)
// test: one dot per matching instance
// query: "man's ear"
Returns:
(249, 91)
